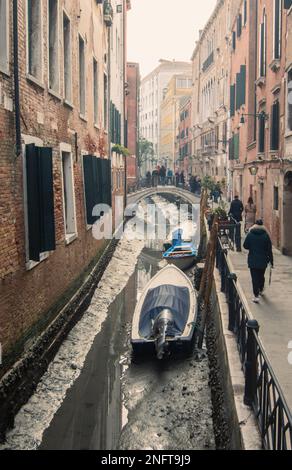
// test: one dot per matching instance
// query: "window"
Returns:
(240, 87)
(239, 25)
(233, 40)
(184, 83)
(276, 198)
(289, 101)
(82, 76)
(4, 35)
(68, 194)
(53, 28)
(67, 58)
(277, 28)
(275, 126)
(95, 90)
(34, 38)
(232, 100)
(40, 201)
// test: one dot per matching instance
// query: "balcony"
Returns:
(108, 13)
(208, 62)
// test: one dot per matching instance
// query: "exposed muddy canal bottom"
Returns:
(114, 403)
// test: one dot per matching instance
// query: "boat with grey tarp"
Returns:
(165, 315)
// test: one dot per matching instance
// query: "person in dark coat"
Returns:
(259, 245)
(236, 209)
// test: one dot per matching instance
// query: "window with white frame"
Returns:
(277, 28)
(82, 76)
(4, 36)
(53, 30)
(289, 100)
(95, 90)
(67, 58)
(34, 38)
(68, 194)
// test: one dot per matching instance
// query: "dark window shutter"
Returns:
(239, 25)
(89, 186)
(232, 100)
(105, 178)
(234, 40)
(261, 135)
(287, 4)
(238, 90)
(231, 149)
(242, 84)
(245, 12)
(263, 52)
(48, 238)
(275, 126)
(277, 39)
(33, 199)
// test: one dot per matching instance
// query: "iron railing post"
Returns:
(232, 278)
(251, 363)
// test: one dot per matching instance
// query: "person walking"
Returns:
(259, 245)
(236, 210)
(250, 215)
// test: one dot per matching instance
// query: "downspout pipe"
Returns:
(18, 149)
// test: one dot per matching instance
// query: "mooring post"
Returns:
(251, 363)
(231, 301)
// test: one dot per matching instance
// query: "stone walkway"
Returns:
(274, 314)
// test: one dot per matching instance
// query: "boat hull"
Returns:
(184, 263)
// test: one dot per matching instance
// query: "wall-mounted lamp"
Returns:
(263, 115)
(253, 170)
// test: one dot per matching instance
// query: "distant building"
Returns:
(184, 138)
(152, 91)
(180, 86)
(133, 100)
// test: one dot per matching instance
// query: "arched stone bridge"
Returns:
(160, 190)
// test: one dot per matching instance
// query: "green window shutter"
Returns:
(238, 91)
(243, 84)
(262, 134)
(275, 126)
(234, 40)
(231, 148)
(232, 100)
(287, 4)
(33, 206)
(48, 238)
(277, 38)
(236, 147)
(89, 184)
(40, 201)
(245, 12)
(105, 181)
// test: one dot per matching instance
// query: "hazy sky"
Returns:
(165, 29)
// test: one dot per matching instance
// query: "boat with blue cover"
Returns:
(165, 315)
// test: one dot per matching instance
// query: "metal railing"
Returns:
(262, 389)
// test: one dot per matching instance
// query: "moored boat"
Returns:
(165, 315)
(182, 254)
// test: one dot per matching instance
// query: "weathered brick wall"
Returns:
(25, 295)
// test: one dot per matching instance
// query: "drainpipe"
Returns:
(16, 80)
(124, 99)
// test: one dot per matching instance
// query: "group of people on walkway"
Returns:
(163, 176)
(257, 242)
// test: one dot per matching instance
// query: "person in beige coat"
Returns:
(250, 214)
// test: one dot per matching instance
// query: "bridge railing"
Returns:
(262, 389)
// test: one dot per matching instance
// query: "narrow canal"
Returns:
(95, 397)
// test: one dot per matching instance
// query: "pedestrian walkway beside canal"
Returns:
(274, 313)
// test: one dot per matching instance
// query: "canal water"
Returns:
(106, 400)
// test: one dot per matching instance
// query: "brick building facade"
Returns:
(184, 138)
(133, 117)
(48, 191)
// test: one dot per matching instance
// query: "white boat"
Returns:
(181, 253)
(165, 315)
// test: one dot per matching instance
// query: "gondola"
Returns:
(165, 315)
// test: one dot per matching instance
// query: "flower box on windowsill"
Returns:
(275, 65)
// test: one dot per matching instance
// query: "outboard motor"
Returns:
(162, 325)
